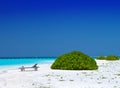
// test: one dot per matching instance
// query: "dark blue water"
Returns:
(21, 61)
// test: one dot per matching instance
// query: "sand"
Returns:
(107, 76)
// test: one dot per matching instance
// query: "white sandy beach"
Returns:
(107, 76)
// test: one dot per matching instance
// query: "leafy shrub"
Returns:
(101, 58)
(110, 57)
(74, 61)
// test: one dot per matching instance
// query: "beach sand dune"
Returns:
(107, 76)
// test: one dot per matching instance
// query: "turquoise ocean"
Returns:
(12, 61)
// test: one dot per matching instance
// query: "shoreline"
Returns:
(107, 76)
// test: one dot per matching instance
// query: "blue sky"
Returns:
(53, 27)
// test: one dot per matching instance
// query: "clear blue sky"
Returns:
(53, 27)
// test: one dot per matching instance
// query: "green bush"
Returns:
(101, 58)
(74, 61)
(112, 57)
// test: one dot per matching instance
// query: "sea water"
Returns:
(25, 61)
(12, 61)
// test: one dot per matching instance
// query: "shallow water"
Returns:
(25, 61)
